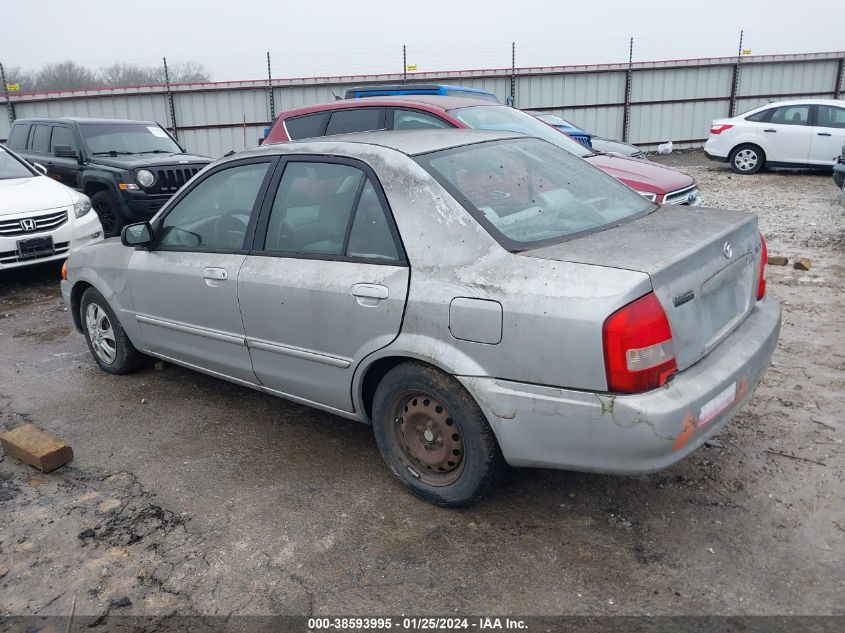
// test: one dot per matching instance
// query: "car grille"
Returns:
(170, 179)
(11, 257)
(682, 196)
(43, 222)
(639, 155)
(583, 139)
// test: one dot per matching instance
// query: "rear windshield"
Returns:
(527, 192)
(11, 167)
(506, 119)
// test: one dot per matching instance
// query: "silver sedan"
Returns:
(480, 298)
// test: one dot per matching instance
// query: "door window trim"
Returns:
(272, 163)
(256, 247)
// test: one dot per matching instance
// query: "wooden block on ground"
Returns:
(802, 264)
(33, 446)
(777, 260)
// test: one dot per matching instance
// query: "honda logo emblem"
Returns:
(727, 250)
(28, 224)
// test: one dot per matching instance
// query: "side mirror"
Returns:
(137, 235)
(65, 151)
(40, 168)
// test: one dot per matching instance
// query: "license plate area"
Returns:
(713, 407)
(35, 248)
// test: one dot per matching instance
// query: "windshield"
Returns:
(508, 119)
(553, 119)
(11, 167)
(127, 138)
(526, 192)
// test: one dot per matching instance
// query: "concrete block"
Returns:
(33, 446)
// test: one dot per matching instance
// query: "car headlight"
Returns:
(145, 177)
(648, 195)
(81, 206)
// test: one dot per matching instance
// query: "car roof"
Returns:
(409, 142)
(834, 102)
(437, 102)
(79, 119)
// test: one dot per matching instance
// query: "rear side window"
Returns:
(307, 126)
(831, 116)
(760, 117)
(791, 115)
(358, 120)
(39, 138)
(413, 120)
(17, 138)
(62, 135)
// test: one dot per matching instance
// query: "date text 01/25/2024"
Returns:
(409, 624)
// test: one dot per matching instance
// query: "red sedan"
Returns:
(662, 185)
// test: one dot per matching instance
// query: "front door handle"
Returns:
(215, 274)
(824, 133)
(370, 294)
(769, 130)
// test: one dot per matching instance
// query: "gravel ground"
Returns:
(190, 495)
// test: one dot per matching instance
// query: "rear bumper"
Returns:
(715, 157)
(839, 174)
(626, 434)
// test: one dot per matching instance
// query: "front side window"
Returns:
(505, 119)
(215, 214)
(11, 167)
(358, 120)
(17, 138)
(331, 210)
(791, 115)
(831, 116)
(127, 138)
(62, 136)
(527, 192)
(413, 120)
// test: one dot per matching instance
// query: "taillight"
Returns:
(718, 129)
(638, 350)
(764, 258)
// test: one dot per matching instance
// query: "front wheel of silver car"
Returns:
(107, 341)
(747, 159)
(434, 437)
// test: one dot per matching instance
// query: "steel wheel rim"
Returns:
(106, 214)
(430, 441)
(101, 333)
(746, 159)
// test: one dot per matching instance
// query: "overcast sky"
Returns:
(326, 37)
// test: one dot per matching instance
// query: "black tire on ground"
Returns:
(747, 159)
(108, 210)
(107, 341)
(434, 437)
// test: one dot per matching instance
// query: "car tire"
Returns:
(108, 210)
(747, 159)
(107, 341)
(434, 437)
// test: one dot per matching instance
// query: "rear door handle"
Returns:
(216, 274)
(370, 294)
(824, 133)
(770, 130)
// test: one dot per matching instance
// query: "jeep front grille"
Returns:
(34, 224)
(170, 179)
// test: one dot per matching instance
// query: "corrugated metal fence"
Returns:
(644, 102)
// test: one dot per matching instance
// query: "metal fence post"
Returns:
(513, 74)
(10, 107)
(735, 85)
(837, 88)
(270, 88)
(626, 113)
(174, 129)
(404, 65)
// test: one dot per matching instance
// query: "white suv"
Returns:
(41, 220)
(807, 133)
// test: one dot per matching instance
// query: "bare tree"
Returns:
(25, 78)
(186, 72)
(65, 75)
(130, 75)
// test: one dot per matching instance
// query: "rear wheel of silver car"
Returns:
(107, 341)
(434, 437)
(747, 159)
(106, 208)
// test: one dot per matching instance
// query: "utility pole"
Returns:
(270, 88)
(626, 112)
(10, 107)
(735, 83)
(170, 101)
(404, 65)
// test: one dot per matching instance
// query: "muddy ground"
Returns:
(191, 495)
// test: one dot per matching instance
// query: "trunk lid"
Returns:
(705, 287)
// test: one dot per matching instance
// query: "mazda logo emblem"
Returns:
(28, 224)
(726, 250)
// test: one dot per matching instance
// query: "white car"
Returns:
(41, 220)
(806, 133)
